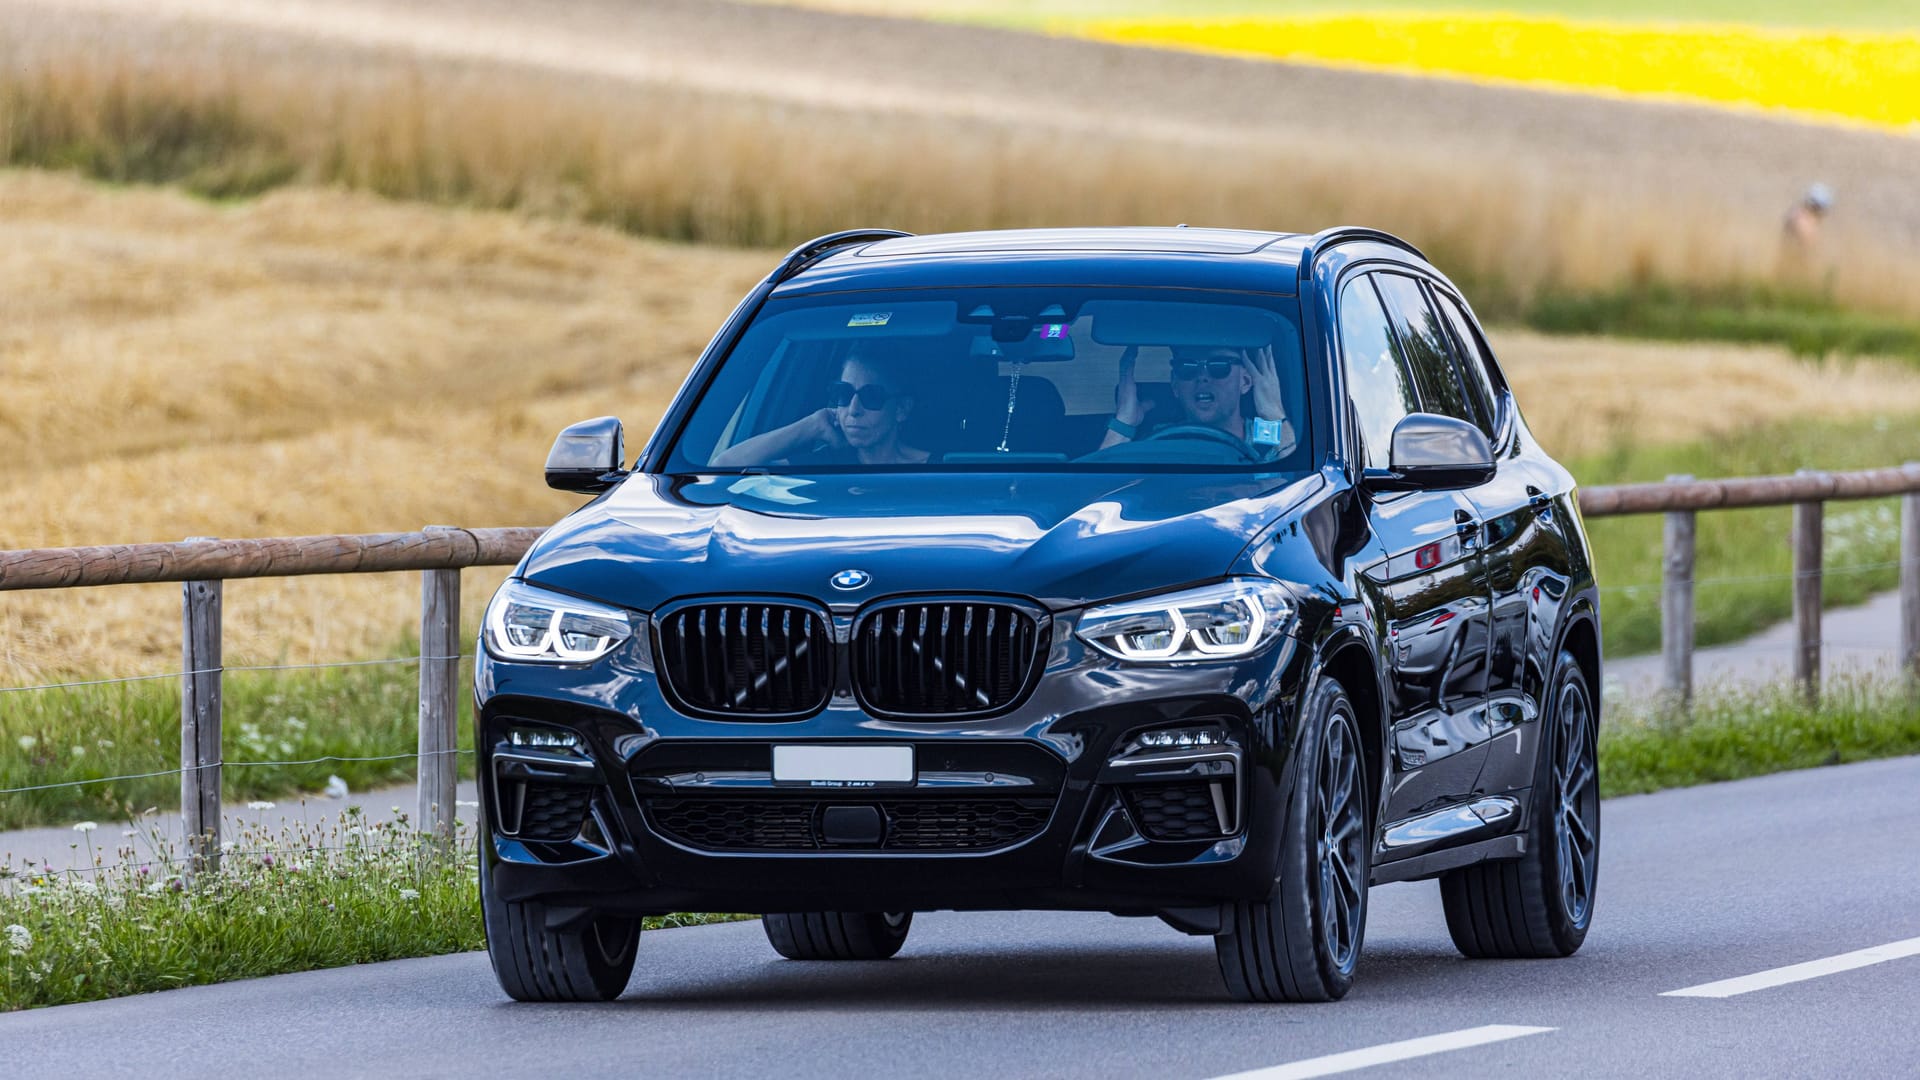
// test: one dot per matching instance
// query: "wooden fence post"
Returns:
(1676, 602)
(439, 701)
(200, 723)
(1909, 659)
(1808, 520)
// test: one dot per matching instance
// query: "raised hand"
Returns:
(1266, 384)
(1126, 393)
(825, 426)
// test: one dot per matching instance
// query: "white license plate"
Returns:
(843, 766)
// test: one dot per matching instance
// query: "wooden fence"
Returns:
(440, 552)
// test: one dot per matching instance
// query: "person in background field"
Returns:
(1800, 232)
(1209, 383)
(859, 426)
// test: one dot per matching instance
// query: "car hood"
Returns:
(1062, 539)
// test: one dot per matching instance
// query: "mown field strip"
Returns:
(1858, 77)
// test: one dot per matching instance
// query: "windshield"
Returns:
(1037, 377)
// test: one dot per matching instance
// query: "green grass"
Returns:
(92, 732)
(1742, 563)
(1852, 14)
(1805, 322)
(1732, 737)
(310, 896)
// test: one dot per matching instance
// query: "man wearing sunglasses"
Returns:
(1210, 383)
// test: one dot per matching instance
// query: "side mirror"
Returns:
(1433, 453)
(588, 456)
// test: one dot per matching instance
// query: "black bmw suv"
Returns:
(1202, 574)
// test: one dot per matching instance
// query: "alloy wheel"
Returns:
(1576, 802)
(1342, 832)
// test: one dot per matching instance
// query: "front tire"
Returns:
(1302, 942)
(533, 963)
(1540, 905)
(837, 935)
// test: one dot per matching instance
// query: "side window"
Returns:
(1425, 342)
(1375, 380)
(1473, 359)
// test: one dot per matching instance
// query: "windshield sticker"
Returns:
(870, 318)
(1053, 331)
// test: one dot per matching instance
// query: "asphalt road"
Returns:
(1697, 886)
(1860, 642)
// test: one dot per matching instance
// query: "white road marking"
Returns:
(1793, 973)
(1388, 1052)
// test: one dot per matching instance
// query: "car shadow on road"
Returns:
(1176, 974)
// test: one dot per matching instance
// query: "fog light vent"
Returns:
(1189, 811)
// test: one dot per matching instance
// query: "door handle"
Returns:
(1464, 524)
(1538, 500)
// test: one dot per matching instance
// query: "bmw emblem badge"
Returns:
(849, 580)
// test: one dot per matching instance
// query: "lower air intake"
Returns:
(551, 812)
(1175, 811)
(784, 824)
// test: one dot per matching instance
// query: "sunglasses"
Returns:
(872, 396)
(1186, 370)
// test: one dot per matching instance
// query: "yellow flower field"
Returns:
(1863, 77)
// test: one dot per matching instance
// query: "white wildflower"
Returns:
(296, 723)
(85, 826)
(28, 742)
(82, 885)
(259, 804)
(155, 886)
(79, 751)
(104, 744)
(226, 845)
(336, 788)
(259, 909)
(409, 894)
(19, 939)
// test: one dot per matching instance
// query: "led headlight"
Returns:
(531, 624)
(1237, 617)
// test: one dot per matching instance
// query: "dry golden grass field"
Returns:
(711, 121)
(324, 361)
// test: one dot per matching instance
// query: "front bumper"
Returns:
(1026, 809)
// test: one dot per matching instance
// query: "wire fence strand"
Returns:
(391, 661)
(230, 765)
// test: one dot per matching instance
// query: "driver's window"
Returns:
(1376, 382)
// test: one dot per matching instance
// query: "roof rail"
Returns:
(1340, 234)
(803, 256)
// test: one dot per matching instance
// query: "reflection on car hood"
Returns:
(1063, 539)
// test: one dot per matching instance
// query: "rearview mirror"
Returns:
(587, 457)
(1433, 453)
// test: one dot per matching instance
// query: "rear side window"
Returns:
(1376, 383)
(1425, 341)
(1473, 362)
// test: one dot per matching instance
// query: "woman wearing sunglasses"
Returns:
(1209, 383)
(859, 426)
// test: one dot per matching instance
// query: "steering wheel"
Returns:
(1205, 433)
